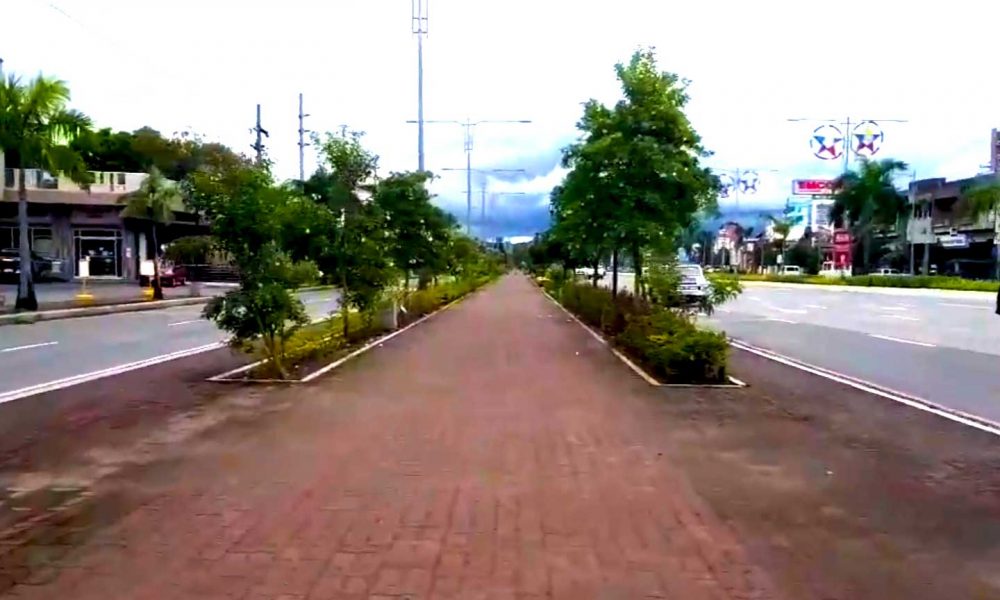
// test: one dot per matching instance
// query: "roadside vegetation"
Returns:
(893, 281)
(636, 184)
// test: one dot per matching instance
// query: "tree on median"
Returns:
(636, 173)
(869, 200)
(155, 201)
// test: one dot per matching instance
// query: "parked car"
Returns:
(887, 272)
(694, 285)
(791, 270)
(10, 264)
(170, 276)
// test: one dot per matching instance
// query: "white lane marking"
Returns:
(792, 311)
(956, 305)
(901, 317)
(901, 340)
(188, 322)
(777, 320)
(819, 306)
(28, 347)
(317, 300)
(85, 377)
(893, 307)
(951, 414)
(724, 310)
(755, 299)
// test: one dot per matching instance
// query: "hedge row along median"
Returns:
(917, 281)
(665, 342)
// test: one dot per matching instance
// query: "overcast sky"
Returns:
(203, 65)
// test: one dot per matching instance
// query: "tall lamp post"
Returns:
(418, 26)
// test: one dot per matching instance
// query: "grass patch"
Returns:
(915, 282)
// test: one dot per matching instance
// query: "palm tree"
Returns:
(869, 199)
(781, 228)
(154, 201)
(36, 129)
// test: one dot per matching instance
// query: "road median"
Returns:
(26, 318)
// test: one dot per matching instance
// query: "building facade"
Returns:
(946, 238)
(68, 223)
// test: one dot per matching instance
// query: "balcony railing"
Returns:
(103, 181)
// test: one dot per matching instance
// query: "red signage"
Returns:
(812, 187)
(842, 249)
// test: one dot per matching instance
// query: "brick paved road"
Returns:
(496, 451)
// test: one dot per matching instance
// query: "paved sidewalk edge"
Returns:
(92, 311)
(226, 377)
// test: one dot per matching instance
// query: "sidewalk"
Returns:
(497, 451)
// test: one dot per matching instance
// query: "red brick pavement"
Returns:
(496, 451)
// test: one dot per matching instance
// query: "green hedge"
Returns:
(919, 281)
(665, 342)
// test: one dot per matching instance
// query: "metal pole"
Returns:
(482, 205)
(420, 101)
(258, 144)
(468, 192)
(302, 145)
(847, 146)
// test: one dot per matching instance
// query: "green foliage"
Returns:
(635, 178)
(914, 282)
(417, 230)
(35, 130)
(806, 256)
(303, 273)
(664, 341)
(426, 301)
(868, 200)
(190, 250)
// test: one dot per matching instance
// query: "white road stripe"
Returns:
(979, 306)
(185, 322)
(901, 317)
(901, 341)
(819, 306)
(792, 311)
(777, 320)
(29, 346)
(893, 308)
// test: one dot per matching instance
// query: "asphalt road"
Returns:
(944, 347)
(52, 350)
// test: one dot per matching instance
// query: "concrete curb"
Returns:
(93, 311)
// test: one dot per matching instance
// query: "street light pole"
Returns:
(419, 28)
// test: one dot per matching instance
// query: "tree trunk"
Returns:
(26, 299)
(867, 256)
(344, 311)
(640, 288)
(614, 272)
(593, 276)
(157, 284)
(925, 264)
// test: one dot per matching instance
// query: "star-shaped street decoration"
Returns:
(826, 142)
(869, 138)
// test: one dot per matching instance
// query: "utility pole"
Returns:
(468, 187)
(482, 205)
(418, 18)
(468, 124)
(258, 146)
(302, 141)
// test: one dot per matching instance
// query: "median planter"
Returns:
(665, 348)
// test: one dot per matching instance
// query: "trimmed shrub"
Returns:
(666, 342)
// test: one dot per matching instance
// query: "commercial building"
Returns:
(68, 223)
(944, 235)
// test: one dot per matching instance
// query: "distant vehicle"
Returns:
(589, 272)
(828, 270)
(790, 270)
(694, 285)
(887, 272)
(10, 264)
